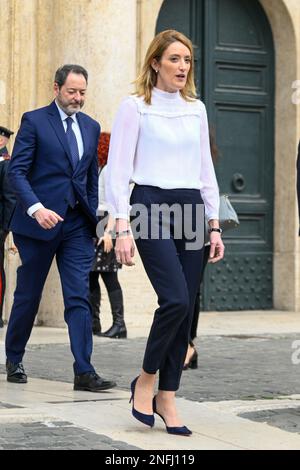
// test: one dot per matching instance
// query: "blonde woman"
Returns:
(160, 141)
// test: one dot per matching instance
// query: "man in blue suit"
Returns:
(54, 173)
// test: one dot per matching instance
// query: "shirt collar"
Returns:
(63, 115)
(165, 94)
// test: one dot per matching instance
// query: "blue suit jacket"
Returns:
(41, 170)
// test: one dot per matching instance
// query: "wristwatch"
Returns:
(212, 229)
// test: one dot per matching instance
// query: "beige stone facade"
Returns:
(109, 38)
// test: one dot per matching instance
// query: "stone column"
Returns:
(101, 36)
(5, 63)
(18, 85)
(284, 19)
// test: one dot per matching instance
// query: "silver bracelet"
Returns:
(123, 232)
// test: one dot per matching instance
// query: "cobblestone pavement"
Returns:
(54, 436)
(230, 368)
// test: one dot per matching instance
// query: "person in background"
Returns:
(7, 205)
(105, 262)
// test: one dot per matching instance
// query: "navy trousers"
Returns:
(74, 251)
(174, 273)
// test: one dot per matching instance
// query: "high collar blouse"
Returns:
(165, 144)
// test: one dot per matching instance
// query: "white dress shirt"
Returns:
(165, 144)
(77, 132)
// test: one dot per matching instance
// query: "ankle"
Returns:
(165, 401)
(146, 381)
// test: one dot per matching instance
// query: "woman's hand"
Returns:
(107, 242)
(13, 249)
(217, 248)
(125, 250)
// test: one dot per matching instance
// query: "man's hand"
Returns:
(46, 218)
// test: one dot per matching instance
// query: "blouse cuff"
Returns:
(212, 217)
(120, 215)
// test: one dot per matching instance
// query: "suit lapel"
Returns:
(56, 122)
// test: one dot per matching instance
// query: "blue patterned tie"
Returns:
(71, 138)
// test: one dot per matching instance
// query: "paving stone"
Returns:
(285, 419)
(41, 437)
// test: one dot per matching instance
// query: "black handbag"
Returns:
(106, 259)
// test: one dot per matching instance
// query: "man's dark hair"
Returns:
(62, 73)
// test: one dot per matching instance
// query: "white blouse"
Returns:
(165, 144)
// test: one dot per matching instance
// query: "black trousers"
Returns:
(174, 272)
(110, 280)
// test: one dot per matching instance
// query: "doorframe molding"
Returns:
(286, 265)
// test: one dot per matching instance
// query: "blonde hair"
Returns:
(147, 78)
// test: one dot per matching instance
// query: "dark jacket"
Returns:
(41, 170)
(7, 197)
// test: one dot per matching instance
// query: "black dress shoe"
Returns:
(15, 373)
(92, 382)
